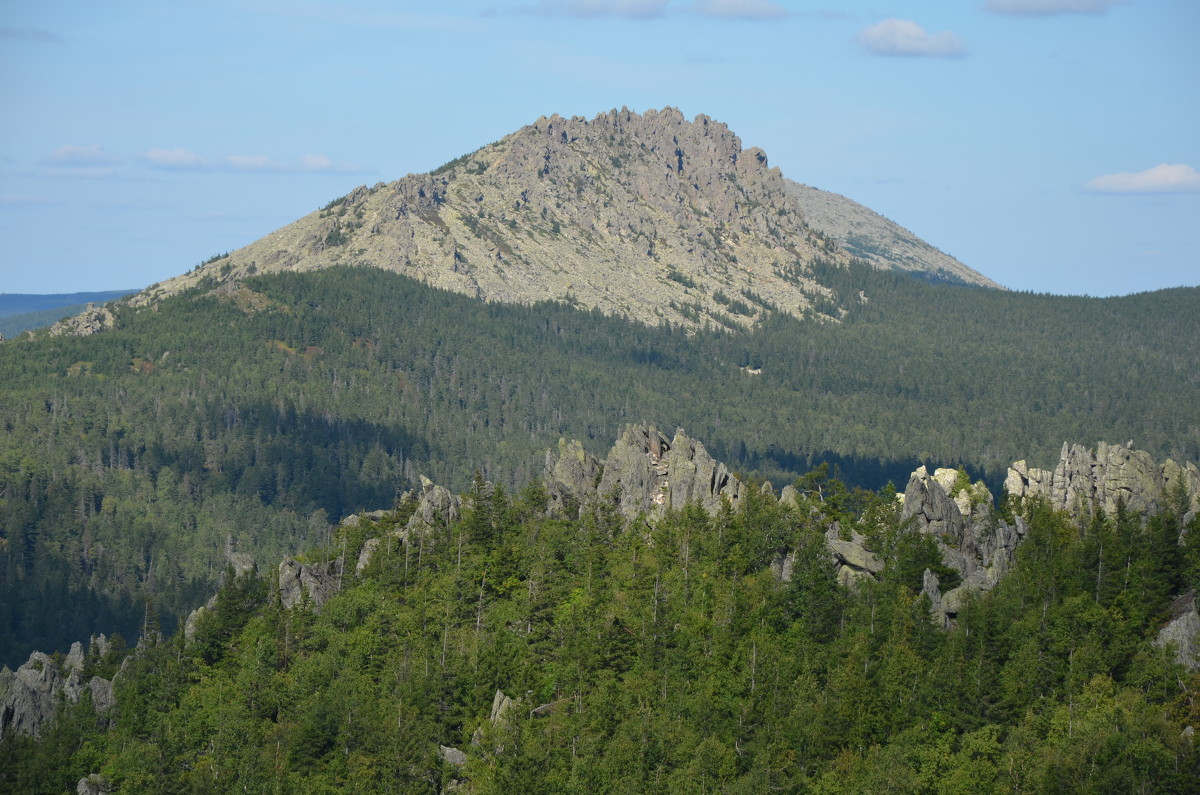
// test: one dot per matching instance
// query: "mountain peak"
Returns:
(648, 216)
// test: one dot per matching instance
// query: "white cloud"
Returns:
(1163, 178)
(70, 156)
(180, 159)
(900, 37)
(174, 160)
(628, 9)
(740, 9)
(253, 163)
(1048, 7)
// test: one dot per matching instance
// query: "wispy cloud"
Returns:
(174, 160)
(740, 9)
(186, 160)
(628, 9)
(903, 38)
(1163, 178)
(654, 9)
(27, 34)
(1037, 8)
(71, 156)
(84, 162)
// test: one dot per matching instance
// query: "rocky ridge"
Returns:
(1087, 480)
(646, 473)
(648, 216)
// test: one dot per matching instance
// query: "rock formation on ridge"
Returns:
(973, 541)
(645, 472)
(1086, 480)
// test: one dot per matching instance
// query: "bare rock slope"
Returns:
(863, 233)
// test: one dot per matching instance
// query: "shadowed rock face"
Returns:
(30, 696)
(570, 476)
(974, 542)
(1085, 481)
(318, 581)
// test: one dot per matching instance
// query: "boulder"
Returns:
(452, 755)
(318, 581)
(1182, 631)
(93, 784)
(853, 562)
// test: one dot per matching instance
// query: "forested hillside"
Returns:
(510, 652)
(250, 417)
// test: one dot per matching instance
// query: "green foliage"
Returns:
(133, 458)
(665, 657)
(681, 278)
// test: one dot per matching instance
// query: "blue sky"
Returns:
(1053, 145)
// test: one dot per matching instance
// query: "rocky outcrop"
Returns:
(1085, 481)
(644, 475)
(1182, 631)
(649, 474)
(30, 696)
(317, 581)
(973, 541)
(436, 507)
(853, 563)
(89, 321)
(570, 477)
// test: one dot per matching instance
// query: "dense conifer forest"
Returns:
(664, 658)
(251, 417)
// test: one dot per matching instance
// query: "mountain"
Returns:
(245, 413)
(872, 238)
(650, 217)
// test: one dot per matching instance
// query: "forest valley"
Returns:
(537, 640)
